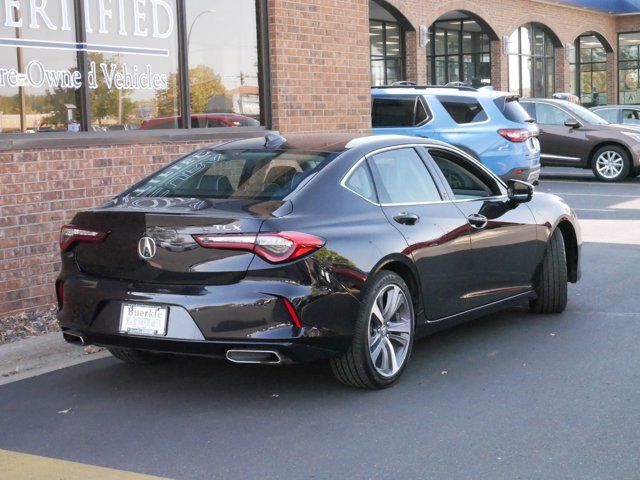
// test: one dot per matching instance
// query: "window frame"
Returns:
(418, 99)
(186, 132)
(521, 56)
(384, 57)
(618, 69)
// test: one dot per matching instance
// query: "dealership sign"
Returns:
(152, 19)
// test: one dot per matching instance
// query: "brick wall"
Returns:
(40, 190)
(320, 65)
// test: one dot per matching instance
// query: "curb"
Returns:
(38, 355)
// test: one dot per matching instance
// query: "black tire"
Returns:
(634, 174)
(551, 283)
(136, 357)
(356, 367)
(614, 151)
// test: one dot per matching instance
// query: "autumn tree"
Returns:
(204, 84)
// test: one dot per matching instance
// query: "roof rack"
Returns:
(425, 87)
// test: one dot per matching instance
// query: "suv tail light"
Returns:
(518, 135)
(70, 234)
(273, 247)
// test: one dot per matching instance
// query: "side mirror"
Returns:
(519, 191)
(572, 123)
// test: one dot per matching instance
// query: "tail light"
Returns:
(292, 312)
(273, 247)
(518, 135)
(71, 234)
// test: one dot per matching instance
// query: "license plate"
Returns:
(143, 319)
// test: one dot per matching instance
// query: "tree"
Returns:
(204, 83)
(105, 102)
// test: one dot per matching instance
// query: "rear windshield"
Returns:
(235, 174)
(512, 110)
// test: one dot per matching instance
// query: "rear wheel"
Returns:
(611, 163)
(552, 278)
(383, 336)
(137, 357)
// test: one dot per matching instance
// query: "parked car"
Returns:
(489, 125)
(201, 120)
(272, 251)
(622, 114)
(573, 136)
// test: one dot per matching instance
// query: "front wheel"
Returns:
(611, 164)
(383, 336)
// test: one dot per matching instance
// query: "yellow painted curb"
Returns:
(21, 466)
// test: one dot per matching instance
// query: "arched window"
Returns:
(387, 60)
(532, 61)
(459, 51)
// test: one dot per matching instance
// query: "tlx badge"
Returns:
(227, 228)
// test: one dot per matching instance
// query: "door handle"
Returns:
(477, 221)
(407, 218)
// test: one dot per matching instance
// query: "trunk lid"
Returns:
(174, 256)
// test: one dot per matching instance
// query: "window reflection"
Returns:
(222, 47)
(629, 67)
(385, 40)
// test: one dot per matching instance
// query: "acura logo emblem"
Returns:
(146, 248)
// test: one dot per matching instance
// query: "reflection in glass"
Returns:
(591, 63)
(387, 61)
(531, 61)
(629, 67)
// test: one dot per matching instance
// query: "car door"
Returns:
(559, 144)
(435, 229)
(504, 247)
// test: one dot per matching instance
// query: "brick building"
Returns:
(95, 94)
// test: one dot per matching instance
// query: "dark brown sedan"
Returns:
(572, 136)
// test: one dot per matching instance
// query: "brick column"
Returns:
(413, 52)
(612, 78)
(499, 67)
(562, 71)
(320, 71)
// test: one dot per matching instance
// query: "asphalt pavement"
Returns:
(510, 396)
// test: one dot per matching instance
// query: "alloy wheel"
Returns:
(610, 164)
(390, 330)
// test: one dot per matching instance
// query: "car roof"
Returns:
(439, 90)
(323, 142)
(597, 107)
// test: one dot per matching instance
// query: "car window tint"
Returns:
(402, 177)
(631, 116)
(513, 111)
(463, 110)
(393, 112)
(550, 114)
(465, 180)
(361, 183)
(609, 114)
(234, 174)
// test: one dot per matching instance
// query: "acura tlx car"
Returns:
(275, 251)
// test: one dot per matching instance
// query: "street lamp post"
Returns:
(193, 24)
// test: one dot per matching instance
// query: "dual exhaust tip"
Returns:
(264, 357)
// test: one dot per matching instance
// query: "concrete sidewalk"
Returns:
(37, 355)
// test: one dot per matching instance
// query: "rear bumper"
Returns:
(209, 320)
(531, 175)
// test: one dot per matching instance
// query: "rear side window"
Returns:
(628, 116)
(398, 112)
(361, 183)
(512, 110)
(240, 174)
(402, 177)
(463, 110)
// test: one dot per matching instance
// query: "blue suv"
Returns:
(491, 126)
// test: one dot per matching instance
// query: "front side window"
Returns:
(402, 177)
(609, 114)
(550, 115)
(385, 42)
(465, 180)
(395, 112)
(239, 175)
(629, 67)
(463, 110)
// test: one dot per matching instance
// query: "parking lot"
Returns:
(510, 396)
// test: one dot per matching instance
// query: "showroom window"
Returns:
(385, 40)
(531, 62)
(629, 67)
(588, 63)
(459, 51)
(105, 65)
